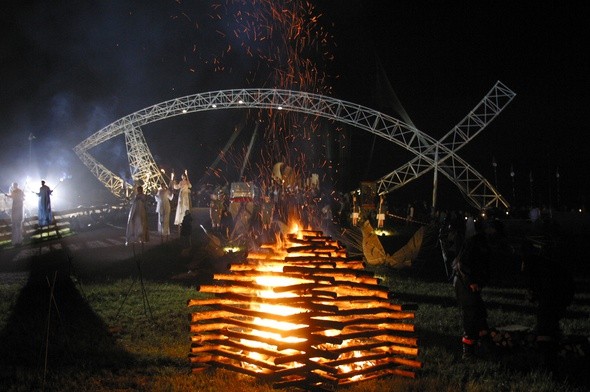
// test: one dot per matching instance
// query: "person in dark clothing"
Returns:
(551, 287)
(451, 240)
(186, 228)
(471, 273)
(45, 213)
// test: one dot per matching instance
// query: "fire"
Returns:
(295, 230)
(278, 281)
(302, 314)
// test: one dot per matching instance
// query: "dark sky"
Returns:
(70, 68)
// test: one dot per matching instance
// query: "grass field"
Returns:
(60, 333)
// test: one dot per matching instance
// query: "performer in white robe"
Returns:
(45, 214)
(381, 212)
(137, 224)
(18, 213)
(184, 198)
(163, 197)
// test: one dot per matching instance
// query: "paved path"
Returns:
(100, 252)
(96, 243)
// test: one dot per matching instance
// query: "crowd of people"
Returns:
(475, 243)
(137, 222)
(470, 242)
(44, 212)
(475, 246)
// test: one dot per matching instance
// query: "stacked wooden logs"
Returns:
(302, 314)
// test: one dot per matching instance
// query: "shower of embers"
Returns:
(301, 313)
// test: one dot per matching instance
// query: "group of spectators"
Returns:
(545, 276)
(470, 242)
(44, 213)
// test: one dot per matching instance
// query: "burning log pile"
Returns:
(301, 313)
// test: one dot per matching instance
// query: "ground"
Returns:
(100, 252)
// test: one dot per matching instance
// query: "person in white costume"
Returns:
(163, 197)
(18, 213)
(137, 224)
(184, 198)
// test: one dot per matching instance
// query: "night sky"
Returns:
(71, 68)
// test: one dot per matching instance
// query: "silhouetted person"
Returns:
(471, 270)
(381, 212)
(186, 228)
(356, 211)
(266, 213)
(410, 214)
(45, 215)
(551, 287)
(215, 213)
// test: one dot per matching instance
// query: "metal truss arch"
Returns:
(443, 157)
(144, 168)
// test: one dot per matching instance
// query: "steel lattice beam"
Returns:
(114, 183)
(443, 153)
(141, 162)
(475, 187)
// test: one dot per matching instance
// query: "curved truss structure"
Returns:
(443, 157)
(429, 152)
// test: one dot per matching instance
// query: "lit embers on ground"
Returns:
(301, 313)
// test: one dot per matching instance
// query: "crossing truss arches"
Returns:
(143, 167)
(444, 154)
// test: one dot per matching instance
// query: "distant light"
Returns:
(214, 105)
(240, 101)
(580, 210)
(280, 108)
(383, 232)
(507, 213)
(183, 110)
